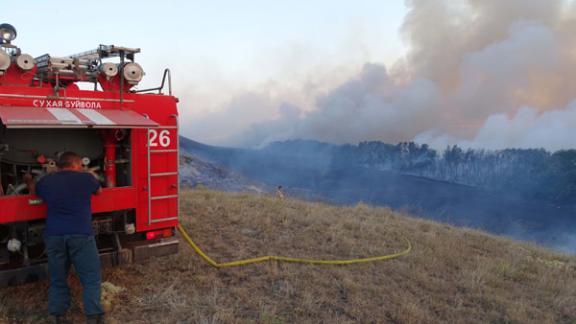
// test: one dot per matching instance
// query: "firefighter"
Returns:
(69, 237)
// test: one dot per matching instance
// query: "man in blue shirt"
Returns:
(69, 237)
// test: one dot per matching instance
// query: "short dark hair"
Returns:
(67, 159)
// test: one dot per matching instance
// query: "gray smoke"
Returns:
(487, 73)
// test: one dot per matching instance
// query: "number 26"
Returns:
(162, 138)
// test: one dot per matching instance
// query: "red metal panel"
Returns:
(112, 199)
(164, 209)
(140, 176)
(164, 185)
(24, 116)
(165, 162)
(57, 117)
(127, 118)
(19, 208)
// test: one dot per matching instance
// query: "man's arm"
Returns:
(96, 188)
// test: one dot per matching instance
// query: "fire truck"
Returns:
(87, 103)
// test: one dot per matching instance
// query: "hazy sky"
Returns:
(217, 49)
(490, 73)
(235, 40)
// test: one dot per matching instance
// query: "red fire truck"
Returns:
(87, 103)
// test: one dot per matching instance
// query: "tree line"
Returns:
(529, 173)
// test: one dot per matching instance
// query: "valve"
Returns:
(130, 228)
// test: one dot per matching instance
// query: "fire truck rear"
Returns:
(86, 103)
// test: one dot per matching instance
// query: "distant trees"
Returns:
(558, 178)
(529, 173)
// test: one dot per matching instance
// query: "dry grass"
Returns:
(453, 275)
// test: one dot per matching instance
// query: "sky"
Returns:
(483, 74)
(216, 49)
(228, 33)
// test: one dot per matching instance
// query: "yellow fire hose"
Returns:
(238, 263)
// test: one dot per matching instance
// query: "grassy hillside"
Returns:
(452, 275)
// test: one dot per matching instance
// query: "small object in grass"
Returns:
(280, 192)
(109, 293)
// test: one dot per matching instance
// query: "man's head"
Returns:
(70, 161)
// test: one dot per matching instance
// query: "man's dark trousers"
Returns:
(80, 251)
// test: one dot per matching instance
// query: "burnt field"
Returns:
(460, 205)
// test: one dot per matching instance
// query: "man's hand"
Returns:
(29, 180)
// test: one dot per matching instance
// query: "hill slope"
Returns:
(195, 171)
(452, 275)
(310, 174)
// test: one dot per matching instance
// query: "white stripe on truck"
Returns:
(64, 116)
(96, 117)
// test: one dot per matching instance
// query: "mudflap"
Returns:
(139, 252)
(161, 247)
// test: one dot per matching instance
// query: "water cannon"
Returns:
(7, 35)
(25, 62)
(132, 72)
(90, 66)
(110, 70)
(96, 66)
(14, 65)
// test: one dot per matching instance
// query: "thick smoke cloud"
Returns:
(370, 106)
(487, 73)
(528, 128)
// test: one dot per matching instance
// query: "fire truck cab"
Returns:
(86, 103)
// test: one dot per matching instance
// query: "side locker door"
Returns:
(163, 184)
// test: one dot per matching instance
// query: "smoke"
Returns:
(488, 73)
(528, 128)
